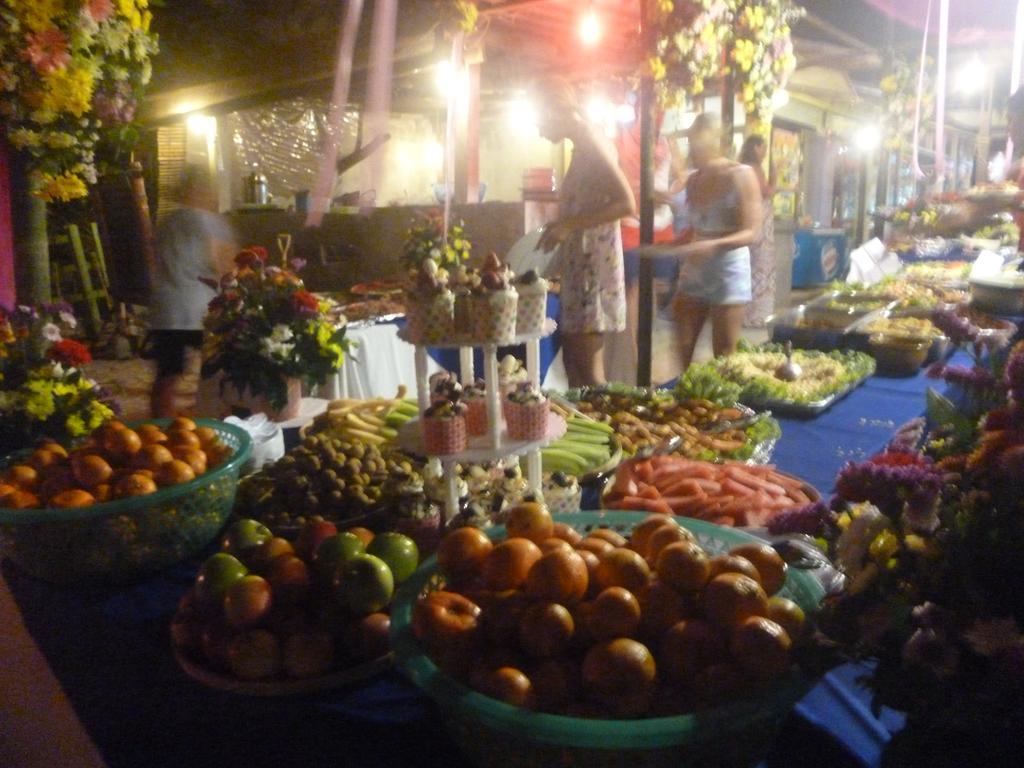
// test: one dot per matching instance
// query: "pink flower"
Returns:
(47, 50)
(100, 10)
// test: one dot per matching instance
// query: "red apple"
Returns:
(370, 636)
(264, 554)
(446, 619)
(247, 602)
(311, 536)
(290, 578)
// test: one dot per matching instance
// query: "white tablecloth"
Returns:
(377, 366)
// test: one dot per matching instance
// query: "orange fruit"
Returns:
(597, 546)
(207, 435)
(787, 615)
(23, 476)
(660, 608)
(151, 433)
(217, 454)
(90, 470)
(560, 576)
(42, 458)
(54, 447)
(102, 492)
(733, 564)
(689, 647)
(123, 443)
(619, 674)
(623, 567)
(567, 533)
(57, 479)
(182, 438)
(152, 456)
(592, 561)
(182, 423)
(642, 532)
(529, 520)
(21, 499)
(661, 537)
(732, 598)
(6, 488)
(768, 562)
(509, 563)
(555, 544)
(73, 497)
(365, 534)
(195, 458)
(683, 566)
(545, 630)
(174, 472)
(615, 612)
(464, 551)
(761, 647)
(134, 484)
(607, 534)
(509, 685)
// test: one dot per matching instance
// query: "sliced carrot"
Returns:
(648, 492)
(650, 505)
(735, 488)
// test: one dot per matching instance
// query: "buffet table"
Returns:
(110, 650)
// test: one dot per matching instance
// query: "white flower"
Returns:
(852, 547)
(51, 332)
(281, 332)
(68, 319)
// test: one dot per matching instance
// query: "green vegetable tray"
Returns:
(120, 540)
(492, 733)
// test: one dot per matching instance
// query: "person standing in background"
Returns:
(762, 250)
(192, 242)
(594, 196)
(725, 218)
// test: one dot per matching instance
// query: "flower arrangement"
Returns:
(930, 536)
(264, 328)
(458, 15)
(427, 241)
(70, 72)
(43, 391)
(899, 96)
(697, 40)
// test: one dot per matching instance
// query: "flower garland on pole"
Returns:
(71, 74)
(700, 40)
(899, 97)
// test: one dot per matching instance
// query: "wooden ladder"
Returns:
(79, 274)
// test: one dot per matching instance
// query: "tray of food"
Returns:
(373, 311)
(377, 288)
(644, 419)
(823, 331)
(908, 294)
(906, 324)
(825, 377)
(947, 274)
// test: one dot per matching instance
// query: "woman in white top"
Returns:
(192, 242)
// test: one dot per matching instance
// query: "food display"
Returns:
(130, 498)
(531, 310)
(429, 306)
(614, 621)
(907, 327)
(948, 273)
(588, 446)
(825, 376)
(495, 304)
(373, 309)
(729, 493)
(526, 413)
(907, 294)
(266, 615)
(643, 419)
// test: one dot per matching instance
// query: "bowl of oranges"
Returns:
(606, 639)
(127, 500)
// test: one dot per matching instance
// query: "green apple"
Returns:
(243, 536)
(334, 551)
(364, 584)
(398, 551)
(217, 573)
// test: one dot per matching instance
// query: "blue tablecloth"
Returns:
(109, 648)
(549, 346)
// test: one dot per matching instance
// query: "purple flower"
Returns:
(908, 436)
(957, 328)
(893, 482)
(297, 264)
(972, 379)
(1014, 374)
(811, 519)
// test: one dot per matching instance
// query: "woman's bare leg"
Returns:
(690, 314)
(726, 327)
(582, 355)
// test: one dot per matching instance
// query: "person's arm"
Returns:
(750, 220)
(620, 202)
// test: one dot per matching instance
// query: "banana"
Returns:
(557, 460)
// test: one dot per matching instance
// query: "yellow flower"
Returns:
(65, 187)
(131, 12)
(884, 546)
(656, 67)
(889, 84)
(75, 425)
(68, 90)
(36, 15)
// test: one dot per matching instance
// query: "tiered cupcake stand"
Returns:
(495, 444)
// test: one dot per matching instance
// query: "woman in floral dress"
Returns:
(594, 196)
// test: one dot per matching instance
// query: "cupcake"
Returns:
(475, 398)
(562, 493)
(415, 515)
(429, 306)
(444, 428)
(509, 490)
(444, 386)
(463, 282)
(526, 413)
(494, 305)
(511, 374)
(531, 309)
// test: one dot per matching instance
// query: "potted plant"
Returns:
(266, 336)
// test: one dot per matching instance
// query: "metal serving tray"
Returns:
(804, 410)
(792, 326)
(857, 336)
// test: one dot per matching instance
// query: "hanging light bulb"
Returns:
(590, 27)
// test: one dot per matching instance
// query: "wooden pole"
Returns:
(645, 301)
